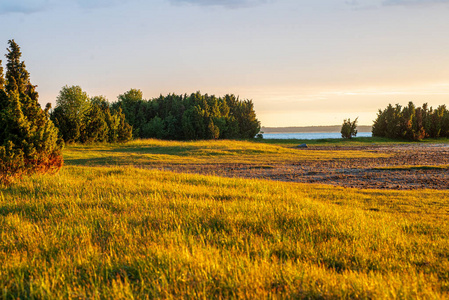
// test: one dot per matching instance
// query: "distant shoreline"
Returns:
(311, 129)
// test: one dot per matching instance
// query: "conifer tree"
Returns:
(17, 77)
(28, 139)
(124, 130)
(2, 79)
(95, 127)
(410, 122)
(3, 103)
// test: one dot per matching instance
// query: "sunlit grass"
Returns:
(124, 232)
(150, 152)
(102, 231)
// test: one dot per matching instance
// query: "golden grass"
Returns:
(124, 232)
(150, 152)
(139, 232)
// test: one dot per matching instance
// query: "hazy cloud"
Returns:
(357, 5)
(99, 3)
(32, 6)
(362, 5)
(413, 2)
(22, 6)
(225, 3)
(352, 2)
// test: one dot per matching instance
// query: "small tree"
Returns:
(71, 106)
(349, 129)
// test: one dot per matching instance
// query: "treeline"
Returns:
(412, 123)
(85, 119)
(189, 117)
(28, 139)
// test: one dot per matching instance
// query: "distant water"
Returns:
(311, 136)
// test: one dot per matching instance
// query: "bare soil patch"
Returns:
(411, 166)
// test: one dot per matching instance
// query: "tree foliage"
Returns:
(83, 119)
(349, 129)
(193, 117)
(72, 105)
(28, 139)
(411, 122)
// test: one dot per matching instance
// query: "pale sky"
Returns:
(302, 62)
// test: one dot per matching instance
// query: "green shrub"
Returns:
(349, 129)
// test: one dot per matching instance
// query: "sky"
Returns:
(303, 63)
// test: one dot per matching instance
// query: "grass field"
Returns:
(103, 228)
(155, 152)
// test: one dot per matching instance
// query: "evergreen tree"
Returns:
(413, 123)
(69, 129)
(28, 139)
(113, 123)
(129, 103)
(94, 127)
(2, 78)
(213, 132)
(436, 124)
(408, 118)
(3, 104)
(445, 123)
(172, 126)
(182, 117)
(17, 77)
(418, 127)
(154, 128)
(380, 124)
(188, 128)
(425, 112)
(124, 130)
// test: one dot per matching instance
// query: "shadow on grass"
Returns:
(121, 155)
(96, 161)
(34, 212)
(169, 150)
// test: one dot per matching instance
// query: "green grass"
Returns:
(124, 232)
(397, 168)
(357, 141)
